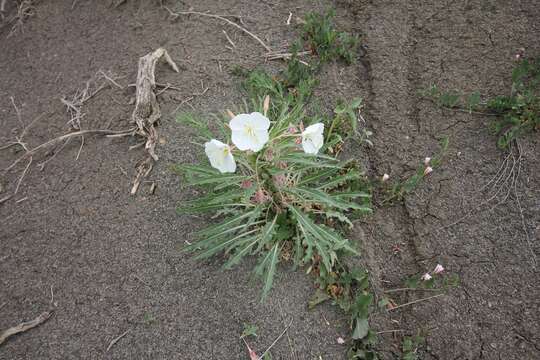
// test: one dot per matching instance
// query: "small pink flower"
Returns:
(298, 140)
(385, 177)
(428, 170)
(340, 340)
(246, 184)
(427, 160)
(292, 129)
(438, 269)
(426, 277)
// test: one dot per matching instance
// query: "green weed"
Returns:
(321, 37)
(396, 190)
(517, 114)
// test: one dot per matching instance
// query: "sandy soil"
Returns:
(112, 260)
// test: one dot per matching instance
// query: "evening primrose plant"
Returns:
(274, 191)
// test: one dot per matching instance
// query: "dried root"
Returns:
(147, 111)
(145, 116)
(25, 326)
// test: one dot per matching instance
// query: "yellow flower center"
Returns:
(249, 131)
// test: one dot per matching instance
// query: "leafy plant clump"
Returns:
(290, 200)
(321, 37)
(396, 190)
(283, 201)
(517, 113)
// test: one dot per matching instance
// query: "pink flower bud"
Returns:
(385, 177)
(246, 184)
(428, 170)
(269, 155)
(260, 197)
(438, 269)
(292, 129)
(280, 180)
(426, 277)
(298, 140)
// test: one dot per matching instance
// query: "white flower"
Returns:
(427, 160)
(220, 156)
(438, 269)
(312, 138)
(249, 131)
(426, 277)
(385, 177)
(428, 170)
(340, 340)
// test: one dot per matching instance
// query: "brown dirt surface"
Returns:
(112, 261)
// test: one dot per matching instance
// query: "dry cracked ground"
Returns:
(111, 261)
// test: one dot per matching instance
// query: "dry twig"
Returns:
(115, 340)
(147, 112)
(175, 15)
(415, 302)
(25, 326)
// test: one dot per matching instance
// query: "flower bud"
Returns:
(246, 184)
(428, 170)
(426, 277)
(427, 160)
(385, 177)
(266, 104)
(438, 269)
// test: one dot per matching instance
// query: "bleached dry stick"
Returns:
(177, 14)
(25, 326)
(115, 340)
(147, 112)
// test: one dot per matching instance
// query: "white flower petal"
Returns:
(312, 138)
(259, 121)
(317, 128)
(239, 121)
(220, 156)
(249, 131)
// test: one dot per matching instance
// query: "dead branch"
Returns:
(25, 9)
(175, 15)
(59, 139)
(147, 112)
(115, 340)
(415, 302)
(286, 55)
(25, 326)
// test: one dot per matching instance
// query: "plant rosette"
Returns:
(276, 193)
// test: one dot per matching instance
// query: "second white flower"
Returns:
(312, 138)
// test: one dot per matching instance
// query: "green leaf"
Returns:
(267, 268)
(319, 297)
(217, 246)
(249, 330)
(473, 100)
(340, 180)
(361, 329)
(199, 125)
